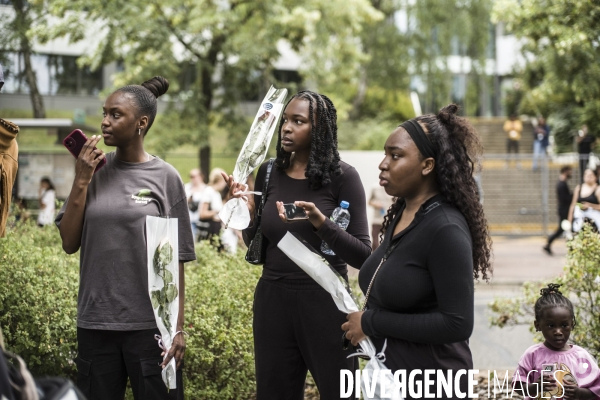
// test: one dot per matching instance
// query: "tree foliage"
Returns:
(562, 47)
(219, 53)
(18, 35)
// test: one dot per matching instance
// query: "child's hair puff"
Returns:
(552, 297)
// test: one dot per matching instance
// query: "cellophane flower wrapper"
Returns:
(579, 217)
(162, 245)
(329, 279)
(234, 213)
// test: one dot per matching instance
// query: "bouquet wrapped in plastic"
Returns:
(378, 380)
(162, 247)
(234, 213)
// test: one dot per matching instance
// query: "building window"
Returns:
(55, 74)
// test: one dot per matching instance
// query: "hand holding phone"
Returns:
(75, 141)
(294, 213)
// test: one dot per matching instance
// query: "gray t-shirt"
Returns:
(113, 291)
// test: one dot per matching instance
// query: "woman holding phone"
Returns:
(105, 216)
(296, 323)
(419, 282)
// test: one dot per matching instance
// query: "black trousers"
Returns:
(297, 328)
(107, 358)
(559, 231)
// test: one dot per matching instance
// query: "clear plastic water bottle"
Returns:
(341, 216)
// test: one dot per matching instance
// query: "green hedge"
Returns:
(38, 312)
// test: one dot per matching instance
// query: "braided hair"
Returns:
(324, 159)
(552, 297)
(145, 96)
(457, 149)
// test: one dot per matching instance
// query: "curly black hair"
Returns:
(324, 159)
(145, 96)
(552, 297)
(458, 150)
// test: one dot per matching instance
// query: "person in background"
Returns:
(541, 140)
(380, 201)
(585, 142)
(212, 203)
(563, 195)
(194, 191)
(513, 128)
(9, 155)
(47, 198)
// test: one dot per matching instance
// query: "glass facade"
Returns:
(55, 74)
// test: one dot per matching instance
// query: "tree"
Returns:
(17, 37)
(415, 41)
(217, 52)
(561, 44)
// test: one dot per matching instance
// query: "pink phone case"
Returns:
(74, 143)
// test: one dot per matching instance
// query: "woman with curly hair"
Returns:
(296, 324)
(419, 282)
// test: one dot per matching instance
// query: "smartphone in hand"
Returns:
(74, 143)
(293, 212)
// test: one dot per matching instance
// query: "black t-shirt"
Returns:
(354, 244)
(422, 299)
(563, 195)
(585, 146)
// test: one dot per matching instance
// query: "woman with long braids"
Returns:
(105, 217)
(419, 282)
(296, 324)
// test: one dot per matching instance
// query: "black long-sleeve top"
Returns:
(352, 246)
(423, 293)
(563, 193)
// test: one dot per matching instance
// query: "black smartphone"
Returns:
(293, 212)
(74, 143)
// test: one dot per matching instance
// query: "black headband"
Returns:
(418, 136)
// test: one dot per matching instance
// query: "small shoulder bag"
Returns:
(258, 246)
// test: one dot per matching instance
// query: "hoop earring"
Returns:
(139, 131)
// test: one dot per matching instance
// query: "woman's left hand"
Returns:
(177, 350)
(315, 216)
(353, 327)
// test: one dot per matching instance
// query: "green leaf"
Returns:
(155, 298)
(156, 261)
(144, 192)
(171, 292)
(166, 253)
(168, 276)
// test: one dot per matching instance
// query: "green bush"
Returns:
(580, 282)
(38, 307)
(38, 300)
(219, 294)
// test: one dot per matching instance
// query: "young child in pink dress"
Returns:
(566, 370)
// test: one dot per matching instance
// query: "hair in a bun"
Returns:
(551, 297)
(145, 96)
(157, 85)
(447, 114)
